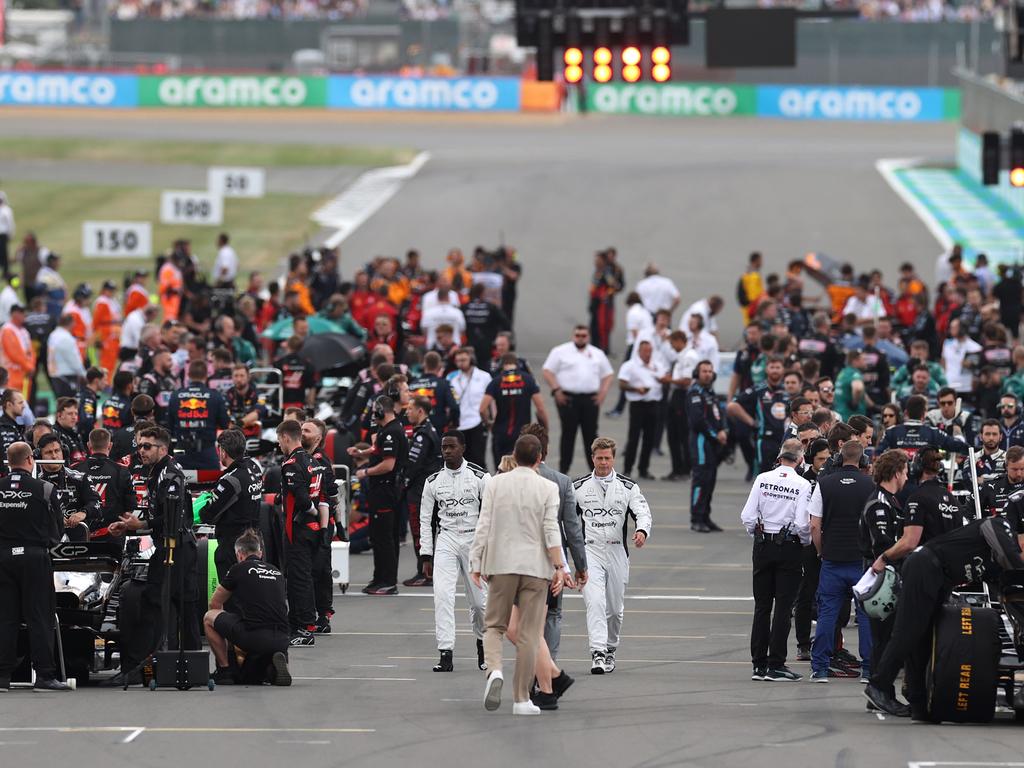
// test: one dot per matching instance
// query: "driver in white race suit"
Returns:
(604, 501)
(450, 506)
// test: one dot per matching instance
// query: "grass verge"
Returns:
(263, 230)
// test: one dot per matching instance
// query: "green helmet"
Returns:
(880, 602)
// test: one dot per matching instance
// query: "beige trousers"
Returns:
(530, 594)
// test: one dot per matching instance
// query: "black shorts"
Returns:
(259, 642)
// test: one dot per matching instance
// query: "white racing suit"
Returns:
(604, 516)
(450, 506)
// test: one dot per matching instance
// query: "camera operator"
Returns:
(977, 551)
(258, 623)
(775, 515)
(77, 500)
(235, 506)
(111, 482)
(30, 523)
(170, 516)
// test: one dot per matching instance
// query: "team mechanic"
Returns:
(707, 436)
(765, 409)
(424, 460)
(170, 505)
(979, 550)
(195, 414)
(258, 625)
(111, 481)
(301, 531)
(913, 434)
(323, 492)
(235, 505)
(775, 515)
(76, 498)
(996, 493)
(30, 523)
(605, 500)
(450, 504)
(880, 536)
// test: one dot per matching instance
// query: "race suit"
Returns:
(605, 508)
(450, 505)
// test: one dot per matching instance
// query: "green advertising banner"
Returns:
(232, 91)
(674, 99)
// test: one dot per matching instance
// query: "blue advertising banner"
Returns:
(68, 89)
(822, 102)
(459, 94)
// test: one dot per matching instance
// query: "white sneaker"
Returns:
(597, 662)
(525, 708)
(492, 693)
(609, 661)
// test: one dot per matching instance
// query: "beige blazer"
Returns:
(518, 523)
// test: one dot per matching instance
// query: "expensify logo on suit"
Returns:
(458, 94)
(68, 89)
(821, 102)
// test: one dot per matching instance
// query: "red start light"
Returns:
(661, 55)
(573, 74)
(602, 73)
(602, 56)
(573, 57)
(631, 56)
(1017, 177)
(631, 73)
(661, 73)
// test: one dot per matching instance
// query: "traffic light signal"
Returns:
(661, 61)
(631, 58)
(990, 148)
(573, 71)
(1017, 157)
(602, 64)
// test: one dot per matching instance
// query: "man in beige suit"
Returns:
(517, 550)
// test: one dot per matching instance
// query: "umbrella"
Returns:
(326, 351)
(284, 327)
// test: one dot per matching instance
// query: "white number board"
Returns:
(184, 207)
(117, 239)
(236, 182)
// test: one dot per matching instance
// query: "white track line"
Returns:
(363, 198)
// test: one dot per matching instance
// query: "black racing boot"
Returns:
(711, 526)
(445, 664)
(480, 656)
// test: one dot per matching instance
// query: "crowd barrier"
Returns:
(475, 94)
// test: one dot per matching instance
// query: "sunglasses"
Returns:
(146, 446)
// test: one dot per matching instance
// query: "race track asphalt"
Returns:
(696, 197)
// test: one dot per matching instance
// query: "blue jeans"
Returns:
(834, 586)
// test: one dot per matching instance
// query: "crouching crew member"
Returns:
(258, 621)
(605, 501)
(450, 504)
(30, 523)
(979, 550)
(235, 506)
(775, 515)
